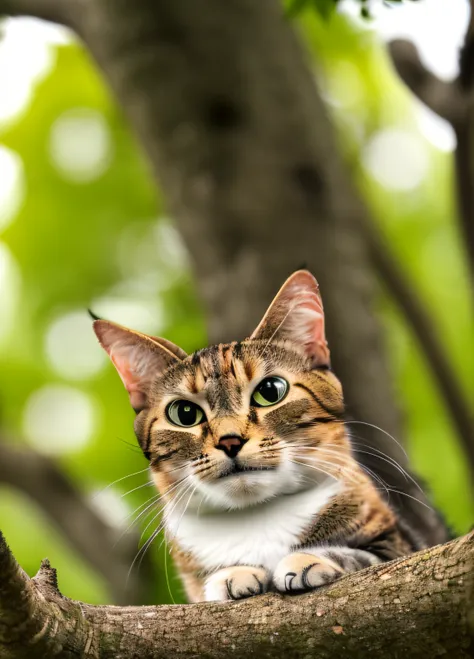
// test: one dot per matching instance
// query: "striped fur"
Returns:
(292, 510)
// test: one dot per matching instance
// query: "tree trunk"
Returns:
(418, 607)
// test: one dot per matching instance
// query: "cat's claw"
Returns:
(299, 572)
(238, 582)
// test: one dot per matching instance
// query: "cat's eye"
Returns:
(270, 391)
(184, 413)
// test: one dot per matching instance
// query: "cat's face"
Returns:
(240, 423)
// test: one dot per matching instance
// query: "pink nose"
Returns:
(230, 444)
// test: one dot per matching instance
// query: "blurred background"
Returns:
(82, 226)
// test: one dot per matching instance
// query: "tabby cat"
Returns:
(248, 448)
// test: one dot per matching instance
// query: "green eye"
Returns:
(184, 413)
(270, 391)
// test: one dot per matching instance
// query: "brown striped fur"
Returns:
(304, 432)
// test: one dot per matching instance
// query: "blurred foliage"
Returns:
(104, 241)
(325, 8)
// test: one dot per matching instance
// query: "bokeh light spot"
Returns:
(80, 145)
(437, 130)
(71, 347)
(397, 159)
(12, 185)
(144, 316)
(26, 56)
(60, 419)
(345, 86)
(10, 282)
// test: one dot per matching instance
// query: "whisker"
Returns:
(160, 511)
(378, 454)
(319, 469)
(370, 473)
(372, 425)
(154, 499)
(348, 471)
(139, 487)
(388, 489)
(167, 574)
(389, 460)
(118, 481)
(141, 552)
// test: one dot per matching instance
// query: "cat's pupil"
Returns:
(187, 414)
(271, 390)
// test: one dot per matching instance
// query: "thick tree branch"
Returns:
(417, 607)
(39, 478)
(444, 98)
(424, 330)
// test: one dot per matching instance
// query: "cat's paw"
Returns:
(299, 572)
(235, 583)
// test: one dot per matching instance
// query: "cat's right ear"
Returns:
(296, 314)
(138, 358)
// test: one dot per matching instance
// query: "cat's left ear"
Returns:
(296, 315)
(138, 358)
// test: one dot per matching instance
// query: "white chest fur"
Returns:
(259, 535)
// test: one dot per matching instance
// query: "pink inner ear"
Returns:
(296, 314)
(307, 326)
(134, 384)
(137, 358)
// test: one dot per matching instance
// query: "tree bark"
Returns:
(419, 606)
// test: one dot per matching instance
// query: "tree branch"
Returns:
(464, 154)
(424, 330)
(418, 607)
(454, 101)
(446, 99)
(39, 478)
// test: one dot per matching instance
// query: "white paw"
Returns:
(237, 582)
(299, 572)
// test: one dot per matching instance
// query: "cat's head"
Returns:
(243, 422)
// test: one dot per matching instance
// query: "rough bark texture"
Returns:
(417, 607)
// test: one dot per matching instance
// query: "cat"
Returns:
(248, 448)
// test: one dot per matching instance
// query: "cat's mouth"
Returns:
(236, 468)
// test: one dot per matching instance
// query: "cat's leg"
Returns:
(317, 566)
(236, 582)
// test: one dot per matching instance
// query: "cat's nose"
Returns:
(230, 444)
